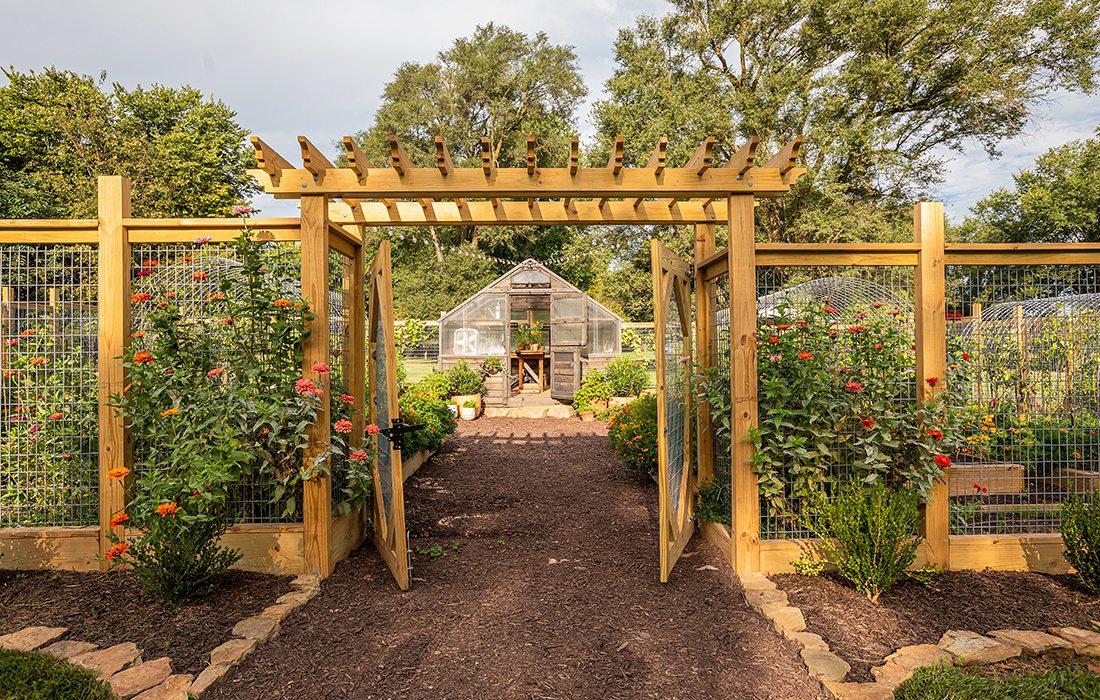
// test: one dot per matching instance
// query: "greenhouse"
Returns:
(545, 333)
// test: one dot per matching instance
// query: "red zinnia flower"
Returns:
(358, 456)
(935, 433)
(868, 423)
(143, 357)
(942, 461)
(932, 381)
(829, 310)
(773, 340)
(216, 372)
(966, 356)
(199, 276)
(140, 296)
(347, 399)
(853, 387)
(167, 509)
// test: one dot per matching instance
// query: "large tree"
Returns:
(881, 89)
(1057, 201)
(184, 152)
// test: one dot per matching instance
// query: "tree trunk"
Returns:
(437, 244)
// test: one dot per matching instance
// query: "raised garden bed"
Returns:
(109, 608)
(1078, 480)
(864, 634)
(997, 477)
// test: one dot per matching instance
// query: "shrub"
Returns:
(633, 434)
(33, 676)
(626, 377)
(464, 381)
(870, 532)
(1081, 536)
(712, 503)
(436, 385)
(593, 390)
(423, 409)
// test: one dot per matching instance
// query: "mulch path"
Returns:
(910, 613)
(109, 608)
(498, 618)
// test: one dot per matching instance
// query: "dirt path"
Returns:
(548, 589)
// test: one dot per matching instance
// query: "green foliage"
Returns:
(870, 533)
(464, 380)
(525, 335)
(491, 366)
(711, 504)
(1056, 201)
(837, 389)
(1081, 536)
(626, 377)
(594, 389)
(176, 556)
(808, 565)
(633, 433)
(425, 287)
(436, 385)
(422, 408)
(469, 404)
(955, 683)
(34, 676)
(409, 334)
(184, 152)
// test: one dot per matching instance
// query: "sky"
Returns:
(317, 68)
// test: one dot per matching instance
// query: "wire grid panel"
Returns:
(190, 275)
(1030, 339)
(339, 301)
(49, 474)
(718, 290)
(675, 395)
(851, 291)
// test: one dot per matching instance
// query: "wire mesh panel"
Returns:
(49, 471)
(194, 278)
(718, 291)
(383, 416)
(815, 323)
(1030, 338)
(339, 300)
(675, 395)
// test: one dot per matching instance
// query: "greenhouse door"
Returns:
(568, 334)
(388, 512)
(672, 336)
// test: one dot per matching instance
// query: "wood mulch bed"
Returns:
(910, 613)
(109, 608)
(549, 588)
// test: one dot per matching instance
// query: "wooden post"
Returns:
(114, 332)
(931, 342)
(704, 248)
(317, 491)
(743, 389)
(976, 314)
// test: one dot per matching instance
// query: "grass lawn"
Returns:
(40, 677)
(953, 683)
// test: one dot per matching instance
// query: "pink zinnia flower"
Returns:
(203, 239)
(239, 209)
(373, 429)
(342, 426)
(347, 399)
(853, 387)
(358, 456)
(321, 367)
(304, 387)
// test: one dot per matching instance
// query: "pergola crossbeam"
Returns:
(487, 164)
(656, 162)
(442, 157)
(532, 159)
(745, 157)
(574, 155)
(787, 157)
(269, 161)
(615, 160)
(521, 212)
(399, 159)
(701, 160)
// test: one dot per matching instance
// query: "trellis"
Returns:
(339, 203)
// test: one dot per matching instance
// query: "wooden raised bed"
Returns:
(997, 477)
(1078, 480)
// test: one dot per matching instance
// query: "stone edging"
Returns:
(961, 647)
(121, 666)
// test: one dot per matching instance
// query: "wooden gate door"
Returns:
(568, 334)
(672, 336)
(389, 499)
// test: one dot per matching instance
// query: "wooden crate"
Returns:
(997, 477)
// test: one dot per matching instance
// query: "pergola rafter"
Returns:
(405, 194)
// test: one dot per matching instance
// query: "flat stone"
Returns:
(891, 675)
(913, 657)
(67, 649)
(31, 638)
(973, 649)
(210, 677)
(1033, 643)
(860, 691)
(825, 665)
(107, 662)
(761, 598)
(809, 640)
(296, 598)
(138, 679)
(310, 582)
(232, 651)
(278, 611)
(1085, 642)
(756, 582)
(787, 621)
(259, 628)
(175, 688)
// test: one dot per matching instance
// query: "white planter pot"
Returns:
(454, 409)
(468, 413)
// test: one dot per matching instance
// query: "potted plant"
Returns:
(466, 385)
(529, 337)
(491, 366)
(592, 396)
(468, 410)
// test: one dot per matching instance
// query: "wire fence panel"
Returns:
(851, 295)
(49, 473)
(339, 301)
(719, 292)
(191, 276)
(1031, 334)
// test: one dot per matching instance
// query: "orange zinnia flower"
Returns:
(117, 551)
(199, 276)
(57, 416)
(138, 334)
(169, 412)
(215, 296)
(167, 509)
(282, 303)
(38, 361)
(118, 473)
(215, 373)
(144, 357)
(119, 519)
(140, 296)
(229, 321)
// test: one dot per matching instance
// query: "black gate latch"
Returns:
(396, 432)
